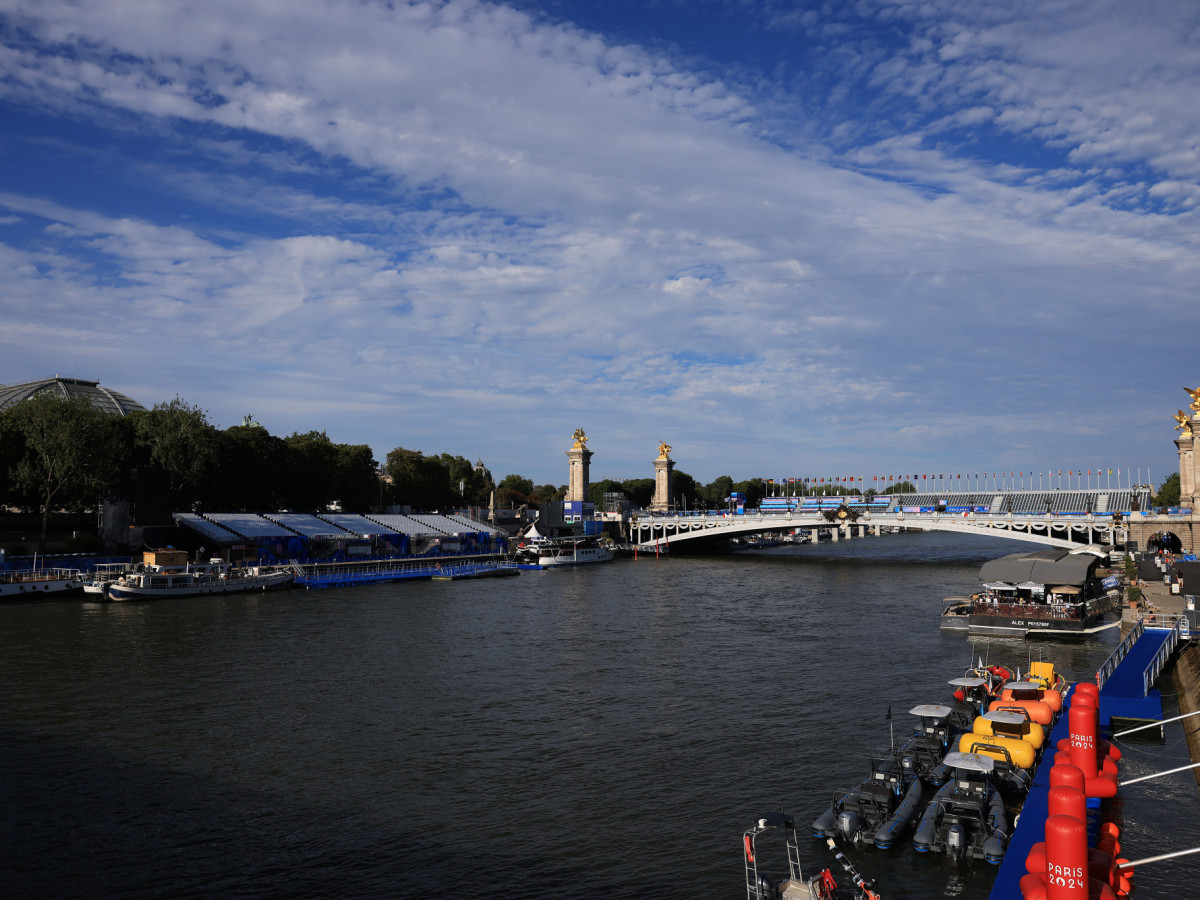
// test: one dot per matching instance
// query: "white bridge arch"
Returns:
(650, 530)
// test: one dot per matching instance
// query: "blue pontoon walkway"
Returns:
(1127, 679)
(327, 576)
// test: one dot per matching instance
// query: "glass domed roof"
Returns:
(69, 389)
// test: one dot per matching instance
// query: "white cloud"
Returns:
(434, 221)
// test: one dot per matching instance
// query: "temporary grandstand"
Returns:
(339, 536)
(1027, 503)
(1021, 503)
(308, 525)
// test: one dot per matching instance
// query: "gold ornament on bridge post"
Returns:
(1195, 395)
(580, 439)
(664, 449)
(1183, 423)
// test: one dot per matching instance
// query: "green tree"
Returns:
(419, 481)
(312, 471)
(901, 487)
(685, 491)
(754, 489)
(514, 491)
(471, 486)
(357, 484)
(70, 455)
(597, 490)
(547, 493)
(251, 470)
(12, 451)
(716, 494)
(1168, 491)
(640, 491)
(178, 437)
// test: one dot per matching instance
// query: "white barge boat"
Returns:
(217, 577)
(29, 583)
(573, 553)
(103, 575)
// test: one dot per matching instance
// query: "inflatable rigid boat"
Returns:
(927, 746)
(965, 819)
(879, 809)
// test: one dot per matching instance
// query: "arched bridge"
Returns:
(1069, 519)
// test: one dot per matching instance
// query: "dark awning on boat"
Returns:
(1041, 567)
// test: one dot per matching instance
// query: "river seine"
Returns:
(604, 732)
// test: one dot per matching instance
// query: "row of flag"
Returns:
(939, 477)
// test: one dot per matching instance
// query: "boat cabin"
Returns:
(168, 558)
(1041, 583)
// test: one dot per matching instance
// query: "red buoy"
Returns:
(1066, 859)
(1082, 722)
(1064, 800)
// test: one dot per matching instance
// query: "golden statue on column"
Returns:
(1183, 424)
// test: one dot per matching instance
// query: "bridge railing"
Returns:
(1114, 658)
(1179, 630)
(888, 514)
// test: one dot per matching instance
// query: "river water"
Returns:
(604, 732)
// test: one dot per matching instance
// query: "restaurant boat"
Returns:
(1054, 592)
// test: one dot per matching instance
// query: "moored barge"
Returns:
(1051, 592)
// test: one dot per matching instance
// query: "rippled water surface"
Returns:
(604, 732)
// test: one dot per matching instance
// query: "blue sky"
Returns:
(787, 239)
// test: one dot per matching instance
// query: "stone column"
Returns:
(664, 467)
(1187, 466)
(581, 461)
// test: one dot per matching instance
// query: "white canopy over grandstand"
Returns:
(210, 530)
(309, 525)
(359, 524)
(412, 525)
(472, 525)
(249, 525)
(228, 527)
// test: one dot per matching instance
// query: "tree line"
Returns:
(65, 454)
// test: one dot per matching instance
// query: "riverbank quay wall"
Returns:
(1185, 681)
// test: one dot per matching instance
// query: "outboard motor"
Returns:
(956, 842)
(849, 824)
(765, 888)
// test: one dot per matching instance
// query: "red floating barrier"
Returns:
(1063, 773)
(1066, 859)
(1064, 800)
